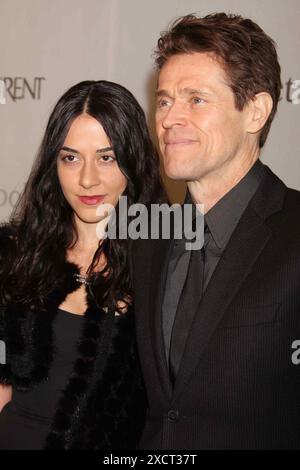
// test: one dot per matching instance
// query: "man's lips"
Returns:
(91, 200)
(174, 142)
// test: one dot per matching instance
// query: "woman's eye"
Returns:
(69, 158)
(107, 158)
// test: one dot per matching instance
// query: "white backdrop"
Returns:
(45, 47)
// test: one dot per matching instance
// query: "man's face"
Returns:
(198, 126)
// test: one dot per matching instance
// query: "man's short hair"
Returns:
(246, 52)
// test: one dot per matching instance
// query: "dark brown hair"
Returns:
(43, 221)
(246, 52)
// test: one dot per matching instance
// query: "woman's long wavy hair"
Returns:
(42, 223)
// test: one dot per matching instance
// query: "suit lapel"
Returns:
(158, 280)
(151, 262)
(242, 251)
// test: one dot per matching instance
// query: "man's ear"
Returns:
(260, 108)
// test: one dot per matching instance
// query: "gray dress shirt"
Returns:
(221, 221)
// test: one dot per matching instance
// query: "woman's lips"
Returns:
(91, 200)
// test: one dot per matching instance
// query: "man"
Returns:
(217, 329)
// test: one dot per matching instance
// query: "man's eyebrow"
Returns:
(69, 149)
(159, 93)
(193, 91)
(183, 91)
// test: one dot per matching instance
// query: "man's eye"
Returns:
(197, 100)
(162, 103)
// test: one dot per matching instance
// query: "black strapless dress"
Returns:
(26, 420)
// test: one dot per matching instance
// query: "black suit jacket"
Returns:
(237, 387)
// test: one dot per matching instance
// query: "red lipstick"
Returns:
(91, 200)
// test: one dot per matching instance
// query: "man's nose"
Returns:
(174, 116)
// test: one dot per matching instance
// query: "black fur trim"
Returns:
(102, 405)
(28, 334)
(106, 411)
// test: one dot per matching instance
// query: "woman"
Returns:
(66, 308)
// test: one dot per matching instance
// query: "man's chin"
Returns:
(180, 180)
(176, 174)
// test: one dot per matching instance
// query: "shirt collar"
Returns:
(224, 216)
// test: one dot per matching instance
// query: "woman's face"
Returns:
(88, 171)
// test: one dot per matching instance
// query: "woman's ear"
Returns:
(260, 108)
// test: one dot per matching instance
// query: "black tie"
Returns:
(187, 306)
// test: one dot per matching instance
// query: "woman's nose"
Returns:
(89, 176)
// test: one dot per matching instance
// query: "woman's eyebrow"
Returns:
(69, 149)
(105, 149)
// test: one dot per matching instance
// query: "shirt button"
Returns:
(173, 416)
